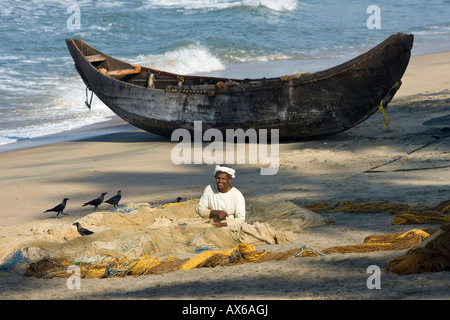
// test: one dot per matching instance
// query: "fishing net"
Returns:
(404, 213)
(142, 231)
(392, 241)
(243, 253)
(420, 218)
(364, 207)
(139, 239)
(431, 256)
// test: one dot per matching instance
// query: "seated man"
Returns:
(221, 202)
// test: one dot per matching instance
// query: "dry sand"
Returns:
(324, 170)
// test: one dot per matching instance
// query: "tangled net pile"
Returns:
(403, 213)
(242, 253)
(430, 256)
(393, 241)
(140, 239)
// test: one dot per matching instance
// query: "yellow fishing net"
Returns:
(140, 230)
(139, 239)
(404, 213)
(432, 255)
(393, 241)
(243, 253)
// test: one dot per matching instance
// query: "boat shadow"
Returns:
(127, 137)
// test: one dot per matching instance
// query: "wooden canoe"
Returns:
(299, 105)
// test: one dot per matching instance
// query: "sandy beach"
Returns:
(409, 163)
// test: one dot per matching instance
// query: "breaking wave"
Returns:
(212, 5)
(194, 58)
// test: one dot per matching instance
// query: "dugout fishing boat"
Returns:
(299, 105)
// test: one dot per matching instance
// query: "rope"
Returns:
(307, 252)
(404, 213)
(364, 207)
(88, 104)
(386, 119)
(420, 218)
(395, 241)
(240, 254)
(386, 100)
(433, 255)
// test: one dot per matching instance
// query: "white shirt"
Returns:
(232, 202)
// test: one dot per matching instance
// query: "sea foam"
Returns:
(193, 58)
(212, 5)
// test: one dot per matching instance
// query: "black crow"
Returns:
(96, 202)
(179, 199)
(115, 200)
(81, 230)
(59, 208)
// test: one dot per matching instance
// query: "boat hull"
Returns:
(299, 106)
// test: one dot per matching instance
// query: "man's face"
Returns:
(223, 182)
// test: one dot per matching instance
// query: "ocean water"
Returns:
(42, 94)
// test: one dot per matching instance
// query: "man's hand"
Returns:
(220, 224)
(219, 214)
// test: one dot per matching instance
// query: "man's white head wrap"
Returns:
(224, 169)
